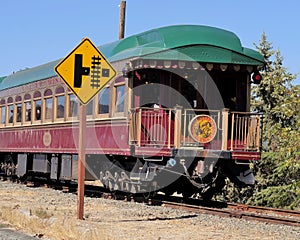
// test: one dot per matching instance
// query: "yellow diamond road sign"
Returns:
(85, 70)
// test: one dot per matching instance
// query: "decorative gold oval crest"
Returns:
(203, 128)
(47, 139)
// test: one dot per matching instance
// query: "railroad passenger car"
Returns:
(175, 118)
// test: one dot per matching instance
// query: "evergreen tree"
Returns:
(275, 86)
(278, 173)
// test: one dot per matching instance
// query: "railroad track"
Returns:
(267, 215)
(222, 209)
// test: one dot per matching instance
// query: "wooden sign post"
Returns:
(81, 161)
(86, 71)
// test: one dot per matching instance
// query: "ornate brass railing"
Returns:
(171, 128)
(152, 127)
(245, 131)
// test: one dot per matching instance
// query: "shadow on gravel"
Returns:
(158, 218)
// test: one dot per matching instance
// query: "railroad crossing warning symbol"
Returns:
(85, 70)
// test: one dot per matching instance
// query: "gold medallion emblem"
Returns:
(47, 139)
(203, 128)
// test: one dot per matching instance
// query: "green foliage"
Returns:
(278, 173)
(275, 91)
(231, 193)
(278, 197)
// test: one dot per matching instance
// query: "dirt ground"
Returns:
(52, 214)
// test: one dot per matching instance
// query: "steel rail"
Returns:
(268, 215)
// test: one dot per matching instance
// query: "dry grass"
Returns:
(41, 213)
(48, 224)
(46, 215)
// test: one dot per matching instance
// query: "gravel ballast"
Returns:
(52, 214)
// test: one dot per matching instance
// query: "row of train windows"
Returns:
(58, 107)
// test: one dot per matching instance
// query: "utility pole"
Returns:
(122, 19)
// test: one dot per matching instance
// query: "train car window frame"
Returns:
(10, 116)
(27, 113)
(72, 107)
(116, 97)
(90, 109)
(10, 112)
(18, 110)
(37, 109)
(48, 100)
(59, 94)
(103, 112)
(2, 113)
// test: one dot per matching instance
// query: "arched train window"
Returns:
(10, 107)
(28, 107)
(48, 100)
(103, 103)
(60, 102)
(37, 106)
(73, 106)
(18, 101)
(89, 108)
(120, 93)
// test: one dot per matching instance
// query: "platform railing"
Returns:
(152, 127)
(245, 132)
(167, 127)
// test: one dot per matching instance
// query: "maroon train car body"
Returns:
(176, 118)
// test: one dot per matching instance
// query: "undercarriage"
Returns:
(189, 177)
(201, 177)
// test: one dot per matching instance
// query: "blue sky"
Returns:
(34, 32)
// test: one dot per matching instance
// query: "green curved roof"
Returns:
(1, 78)
(29, 75)
(172, 37)
(180, 42)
